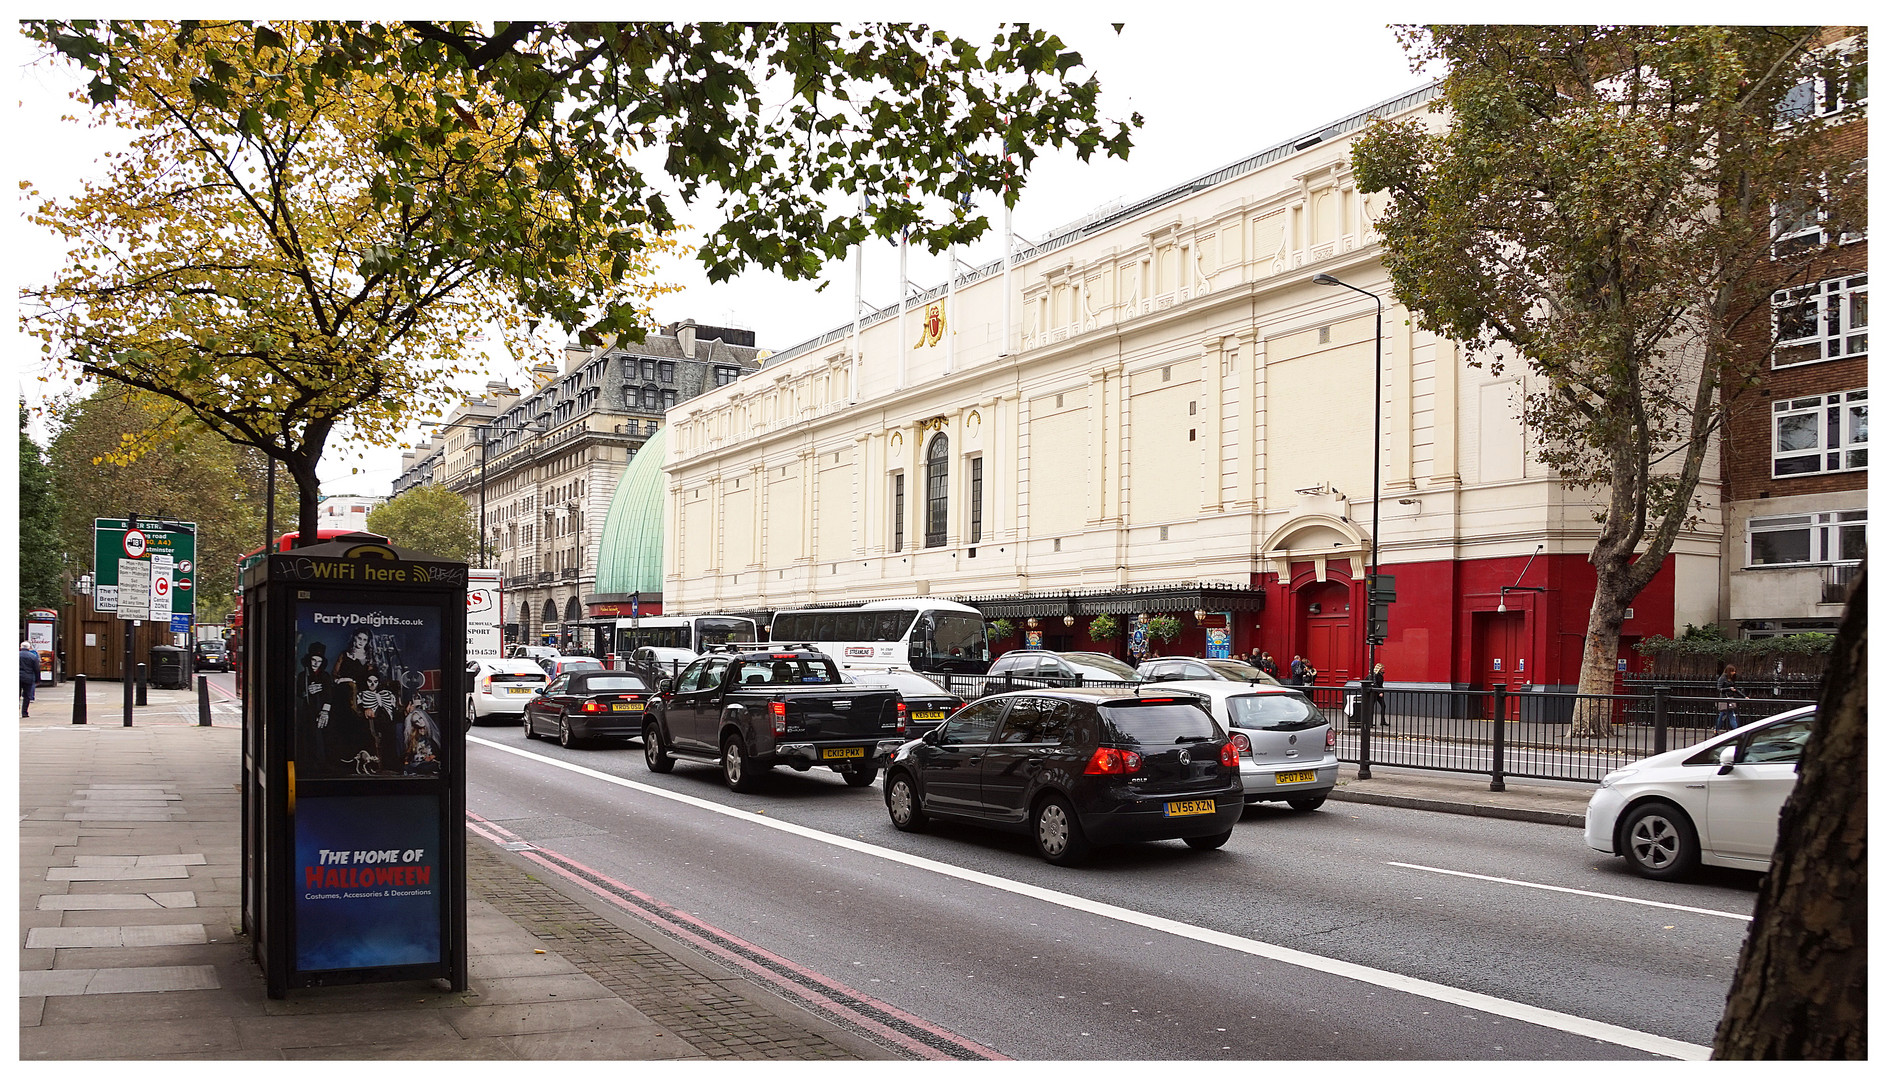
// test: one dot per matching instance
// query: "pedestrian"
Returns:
(1268, 665)
(29, 675)
(1298, 667)
(1727, 693)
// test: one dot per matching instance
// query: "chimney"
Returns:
(685, 337)
(542, 375)
(574, 357)
(498, 388)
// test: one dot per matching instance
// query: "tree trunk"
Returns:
(1801, 983)
(302, 466)
(1598, 666)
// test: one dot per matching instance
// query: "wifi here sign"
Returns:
(115, 541)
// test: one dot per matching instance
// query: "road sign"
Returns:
(183, 583)
(134, 589)
(180, 624)
(113, 542)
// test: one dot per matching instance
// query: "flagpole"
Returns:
(904, 288)
(858, 307)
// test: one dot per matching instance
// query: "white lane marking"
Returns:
(1576, 892)
(1467, 999)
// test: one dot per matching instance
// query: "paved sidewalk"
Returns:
(131, 944)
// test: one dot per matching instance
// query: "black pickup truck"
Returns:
(754, 710)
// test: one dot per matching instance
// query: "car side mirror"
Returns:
(932, 735)
(664, 686)
(1726, 759)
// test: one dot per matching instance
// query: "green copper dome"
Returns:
(630, 557)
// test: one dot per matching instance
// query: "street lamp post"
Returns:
(1375, 510)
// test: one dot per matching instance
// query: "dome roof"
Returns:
(629, 558)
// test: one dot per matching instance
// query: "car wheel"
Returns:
(564, 738)
(1058, 835)
(471, 710)
(735, 768)
(653, 752)
(1660, 842)
(1308, 802)
(1209, 843)
(907, 810)
(860, 775)
(530, 729)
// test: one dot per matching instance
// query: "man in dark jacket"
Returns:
(29, 674)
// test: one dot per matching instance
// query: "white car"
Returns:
(500, 688)
(1287, 748)
(1717, 802)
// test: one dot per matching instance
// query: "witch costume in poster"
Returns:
(366, 688)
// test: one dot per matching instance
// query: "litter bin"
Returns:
(167, 667)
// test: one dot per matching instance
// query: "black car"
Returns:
(211, 656)
(589, 704)
(1027, 668)
(926, 704)
(1074, 768)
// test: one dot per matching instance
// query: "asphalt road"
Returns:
(1155, 951)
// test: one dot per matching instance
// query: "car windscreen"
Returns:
(1161, 725)
(517, 676)
(609, 683)
(1100, 665)
(787, 670)
(1273, 712)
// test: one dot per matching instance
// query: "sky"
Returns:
(1213, 86)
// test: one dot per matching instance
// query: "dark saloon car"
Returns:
(926, 704)
(211, 656)
(589, 704)
(1173, 668)
(1074, 768)
(1023, 668)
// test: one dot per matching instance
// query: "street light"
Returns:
(1375, 482)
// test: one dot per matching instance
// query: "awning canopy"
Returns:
(1152, 599)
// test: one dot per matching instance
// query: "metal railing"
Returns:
(1838, 581)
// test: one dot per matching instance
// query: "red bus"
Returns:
(287, 541)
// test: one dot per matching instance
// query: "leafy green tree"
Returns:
(318, 217)
(1596, 204)
(42, 567)
(190, 474)
(429, 518)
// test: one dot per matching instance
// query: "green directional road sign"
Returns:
(113, 539)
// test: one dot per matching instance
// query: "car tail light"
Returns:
(903, 716)
(592, 706)
(485, 684)
(778, 708)
(1241, 742)
(1108, 761)
(1228, 754)
(1330, 738)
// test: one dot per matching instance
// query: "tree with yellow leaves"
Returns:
(279, 266)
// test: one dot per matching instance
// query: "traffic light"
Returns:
(1382, 593)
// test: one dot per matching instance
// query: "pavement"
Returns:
(131, 945)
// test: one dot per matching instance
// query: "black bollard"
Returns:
(203, 701)
(78, 699)
(143, 687)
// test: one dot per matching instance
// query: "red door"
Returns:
(1327, 631)
(1500, 653)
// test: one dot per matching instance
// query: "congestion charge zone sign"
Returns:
(112, 540)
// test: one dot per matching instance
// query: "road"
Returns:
(1351, 932)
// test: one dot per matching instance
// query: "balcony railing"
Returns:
(569, 573)
(1837, 581)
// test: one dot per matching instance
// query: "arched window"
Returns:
(550, 612)
(937, 491)
(571, 612)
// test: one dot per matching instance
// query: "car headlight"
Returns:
(1614, 777)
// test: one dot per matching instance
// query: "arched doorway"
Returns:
(1327, 631)
(550, 622)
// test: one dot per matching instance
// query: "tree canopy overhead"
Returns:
(317, 218)
(1601, 204)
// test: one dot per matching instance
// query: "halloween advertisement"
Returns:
(367, 691)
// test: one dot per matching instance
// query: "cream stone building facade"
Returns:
(1159, 411)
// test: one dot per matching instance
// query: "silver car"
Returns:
(1287, 747)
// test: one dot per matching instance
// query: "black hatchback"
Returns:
(1074, 768)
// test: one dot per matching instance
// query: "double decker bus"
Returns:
(920, 634)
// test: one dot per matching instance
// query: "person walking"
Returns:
(29, 675)
(1298, 667)
(1727, 693)
(1267, 665)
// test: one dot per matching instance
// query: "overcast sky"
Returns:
(1214, 84)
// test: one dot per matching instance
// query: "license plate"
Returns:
(520, 689)
(927, 716)
(1189, 807)
(1296, 777)
(843, 752)
(633, 707)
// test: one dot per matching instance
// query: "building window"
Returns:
(1821, 434)
(897, 512)
(937, 492)
(725, 375)
(1826, 92)
(668, 400)
(976, 500)
(648, 371)
(668, 371)
(1823, 321)
(1838, 537)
